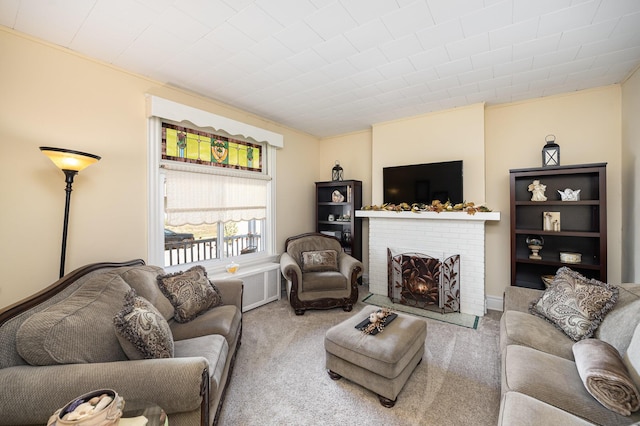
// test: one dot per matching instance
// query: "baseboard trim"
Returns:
(494, 303)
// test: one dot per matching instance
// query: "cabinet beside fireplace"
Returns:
(336, 216)
(582, 225)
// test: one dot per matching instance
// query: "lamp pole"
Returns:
(69, 175)
(70, 162)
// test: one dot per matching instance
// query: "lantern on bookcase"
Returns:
(337, 173)
(550, 152)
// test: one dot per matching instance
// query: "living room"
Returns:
(56, 97)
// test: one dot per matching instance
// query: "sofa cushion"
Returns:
(144, 280)
(555, 381)
(517, 409)
(78, 329)
(519, 328)
(605, 376)
(223, 320)
(214, 349)
(575, 304)
(141, 329)
(190, 292)
(319, 260)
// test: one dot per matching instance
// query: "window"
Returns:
(211, 193)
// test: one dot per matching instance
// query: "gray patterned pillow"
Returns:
(190, 292)
(574, 304)
(141, 329)
(320, 260)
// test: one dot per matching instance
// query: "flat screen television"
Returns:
(423, 183)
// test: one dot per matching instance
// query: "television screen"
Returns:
(423, 183)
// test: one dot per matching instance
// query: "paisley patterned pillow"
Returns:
(320, 260)
(141, 329)
(190, 292)
(574, 304)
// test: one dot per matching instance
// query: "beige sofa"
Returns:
(81, 351)
(540, 380)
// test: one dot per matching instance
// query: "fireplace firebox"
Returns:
(424, 281)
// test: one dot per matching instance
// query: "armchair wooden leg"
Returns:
(347, 308)
(334, 375)
(386, 402)
(299, 311)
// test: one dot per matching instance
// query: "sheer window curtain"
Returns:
(197, 198)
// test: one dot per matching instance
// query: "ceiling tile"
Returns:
(335, 49)
(443, 11)
(527, 9)
(287, 11)
(52, 21)
(298, 36)
(230, 38)
(410, 18)
(210, 12)
(368, 35)
(331, 20)
(401, 48)
(437, 35)
(364, 11)
(368, 59)
(487, 19)
(468, 46)
(9, 12)
(255, 23)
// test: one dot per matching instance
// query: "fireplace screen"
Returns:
(424, 281)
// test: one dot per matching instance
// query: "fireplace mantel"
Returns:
(451, 232)
(482, 216)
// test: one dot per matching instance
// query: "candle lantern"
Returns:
(337, 173)
(550, 152)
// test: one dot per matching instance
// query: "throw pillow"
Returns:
(320, 260)
(190, 292)
(575, 304)
(142, 331)
(605, 376)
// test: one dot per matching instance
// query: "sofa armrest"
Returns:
(290, 268)
(348, 265)
(231, 291)
(31, 394)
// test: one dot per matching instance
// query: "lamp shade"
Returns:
(67, 159)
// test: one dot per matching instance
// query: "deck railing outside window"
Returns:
(179, 253)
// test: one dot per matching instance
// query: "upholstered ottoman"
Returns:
(381, 363)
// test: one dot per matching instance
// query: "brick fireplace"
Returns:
(430, 232)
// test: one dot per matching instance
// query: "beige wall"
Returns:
(450, 135)
(53, 97)
(631, 178)
(587, 128)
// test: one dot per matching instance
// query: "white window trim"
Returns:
(159, 109)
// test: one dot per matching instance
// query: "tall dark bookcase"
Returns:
(343, 224)
(582, 224)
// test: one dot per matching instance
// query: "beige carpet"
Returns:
(280, 378)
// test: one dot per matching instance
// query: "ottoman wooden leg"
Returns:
(386, 402)
(334, 375)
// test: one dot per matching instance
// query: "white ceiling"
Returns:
(330, 67)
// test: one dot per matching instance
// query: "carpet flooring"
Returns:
(280, 377)
(457, 318)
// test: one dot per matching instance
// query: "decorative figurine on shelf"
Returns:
(550, 152)
(569, 195)
(537, 189)
(337, 197)
(337, 173)
(535, 244)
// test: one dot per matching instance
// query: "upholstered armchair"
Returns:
(319, 274)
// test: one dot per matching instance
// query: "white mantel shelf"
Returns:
(480, 216)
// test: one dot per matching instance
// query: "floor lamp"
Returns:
(70, 162)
